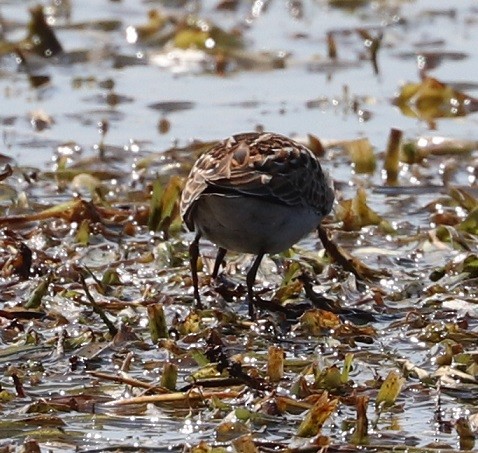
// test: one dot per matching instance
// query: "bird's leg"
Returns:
(193, 259)
(221, 253)
(250, 279)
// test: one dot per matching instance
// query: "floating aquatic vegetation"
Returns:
(431, 99)
(391, 163)
(389, 390)
(190, 43)
(197, 33)
(348, 4)
(356, 213)
(40, 120)
(162, 29)
(416, 151)
(149, 31)
(41, 38)
(372, 43)
(361, 154)
(164, 209)
(317, 416)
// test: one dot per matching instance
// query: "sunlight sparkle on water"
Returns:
(421, 61)
(133, 147)
(188, 427)
(417, 341)
(422, 142)
(250, 360)
(210, 43)
(68, 150)
(257, 8)
(459, 258)
(460, 212)
(38, 242)
(94, 436)
(389, 283)
(131, 34)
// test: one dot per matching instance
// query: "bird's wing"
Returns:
(267, 165)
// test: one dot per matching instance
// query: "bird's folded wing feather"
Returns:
(285, 177)
(271, 169)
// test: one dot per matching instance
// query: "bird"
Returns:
(257, 193)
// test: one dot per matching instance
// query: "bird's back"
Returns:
(268, 166)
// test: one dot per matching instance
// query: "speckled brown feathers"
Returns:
(266, 165)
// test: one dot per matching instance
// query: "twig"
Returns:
(337, 253)
(97, 309)
(122, 379)
(176, 396)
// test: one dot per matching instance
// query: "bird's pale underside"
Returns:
(254, 193)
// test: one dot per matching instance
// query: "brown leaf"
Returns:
(316, 322)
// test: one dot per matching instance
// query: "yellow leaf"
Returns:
(82, 235)
(317, 416)
(356, 214)
(431, 99)
(329, 378)
(390, 389)
(362, 155)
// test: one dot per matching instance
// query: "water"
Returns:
(276, 98)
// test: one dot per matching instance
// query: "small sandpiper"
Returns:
(254, 193)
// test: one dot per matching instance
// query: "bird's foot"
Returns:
(226, 288)
(290, 311)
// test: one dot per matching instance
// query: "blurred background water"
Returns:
(309, 94)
